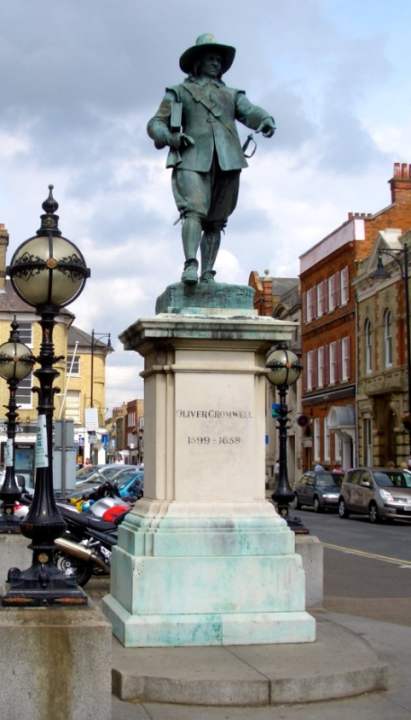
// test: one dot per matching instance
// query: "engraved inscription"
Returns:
(215, 414)
(216, 427)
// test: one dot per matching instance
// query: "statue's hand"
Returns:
(267, 127)
(186, 140)
(179, 141)
(175, 140)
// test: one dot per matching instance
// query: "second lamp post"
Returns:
(16, 362)
(284, 369)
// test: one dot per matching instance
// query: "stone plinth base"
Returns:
(187, 574)
(204, 559)
(55, 664)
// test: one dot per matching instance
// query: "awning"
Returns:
(341, 417)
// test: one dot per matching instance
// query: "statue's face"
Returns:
(210, 65)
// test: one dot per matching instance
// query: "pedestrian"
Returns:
(318, 467)
(196, 119)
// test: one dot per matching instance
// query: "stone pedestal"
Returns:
(204, 559)
(55, 664)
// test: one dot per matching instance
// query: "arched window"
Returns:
(368, 345)
(388, 338)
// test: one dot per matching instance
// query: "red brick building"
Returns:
(134, 432)
(329, 329)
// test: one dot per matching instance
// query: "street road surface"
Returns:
(367, 568)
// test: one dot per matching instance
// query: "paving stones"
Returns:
(339, 664)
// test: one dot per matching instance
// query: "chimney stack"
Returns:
(4, 241)
(401, 184)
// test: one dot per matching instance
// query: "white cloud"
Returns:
(12, 144)
(123, 383)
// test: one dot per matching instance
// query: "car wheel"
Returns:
(342, 509)
(317, 505)
(373, 513)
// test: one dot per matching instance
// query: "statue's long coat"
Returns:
(212, 128)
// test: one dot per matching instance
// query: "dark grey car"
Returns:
(381, 493)
(319, 490)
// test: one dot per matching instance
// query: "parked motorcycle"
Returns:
(86, 546)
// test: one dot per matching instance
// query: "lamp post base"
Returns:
(296, 525)
(40, 586)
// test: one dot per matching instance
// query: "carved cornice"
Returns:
(393, 381)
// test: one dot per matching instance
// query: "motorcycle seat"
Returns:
(86, 520)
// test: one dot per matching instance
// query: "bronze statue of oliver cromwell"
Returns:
(196, 119)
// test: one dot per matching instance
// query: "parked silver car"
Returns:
(381, 493)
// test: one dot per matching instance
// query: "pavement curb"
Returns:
(338, 665)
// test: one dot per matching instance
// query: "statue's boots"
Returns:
(189, 276)
(191, 234)
(210, 243)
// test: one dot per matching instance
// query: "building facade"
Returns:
(84, 390)
(382, 392)
(134, 451)
(329, 326)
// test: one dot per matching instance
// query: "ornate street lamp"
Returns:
(401, 258)
(283, 370)
(48, 272)
(16, 362)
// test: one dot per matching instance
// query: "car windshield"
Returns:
(328, 479)
(110, 470)
(86, 471)
(127, 475)
(392, 478)
(95, 478)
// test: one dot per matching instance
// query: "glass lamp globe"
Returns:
(48, 269)
(16, 360)
(284, 367)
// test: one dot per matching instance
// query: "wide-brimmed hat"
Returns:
(207, 43)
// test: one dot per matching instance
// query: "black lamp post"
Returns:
(401, 257)
(16, 362)
(48, 272)
(284, 369)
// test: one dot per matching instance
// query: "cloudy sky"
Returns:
(80, 78)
